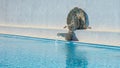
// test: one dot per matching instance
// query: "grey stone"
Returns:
(77, 19)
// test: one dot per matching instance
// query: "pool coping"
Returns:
(115, 47)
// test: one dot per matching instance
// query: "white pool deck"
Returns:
(107, 37)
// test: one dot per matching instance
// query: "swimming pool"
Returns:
(27, 52)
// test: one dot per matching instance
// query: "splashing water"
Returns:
(56, 40)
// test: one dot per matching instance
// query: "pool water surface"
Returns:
(28, 52)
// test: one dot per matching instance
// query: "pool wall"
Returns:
(45, 18)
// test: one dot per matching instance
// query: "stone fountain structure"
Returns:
(77, 19)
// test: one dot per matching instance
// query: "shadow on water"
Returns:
(74, 58)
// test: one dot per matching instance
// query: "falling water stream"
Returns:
(56, 42)
(56, 39)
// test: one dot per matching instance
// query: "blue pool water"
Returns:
(27, 52)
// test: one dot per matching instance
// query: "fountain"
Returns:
(77, 19)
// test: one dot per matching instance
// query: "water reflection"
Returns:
(74, 58)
